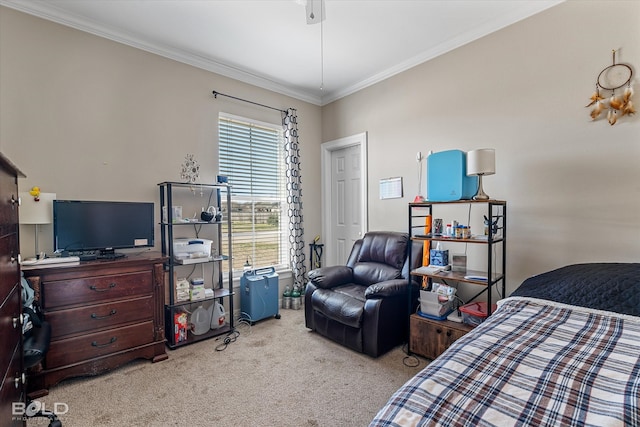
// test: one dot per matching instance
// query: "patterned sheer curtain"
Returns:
(294, 196)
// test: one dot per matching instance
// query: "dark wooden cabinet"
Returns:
(430, 338)
(11, 366)
(102, 314)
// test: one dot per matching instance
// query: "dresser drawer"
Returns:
(96, 289)
(82, 348)
(9, 334)
(99, 316)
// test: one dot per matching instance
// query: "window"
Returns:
(250, 155)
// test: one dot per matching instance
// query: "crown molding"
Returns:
(49, 12)
(525, 11)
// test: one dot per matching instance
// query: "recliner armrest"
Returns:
(388, 288)
(332, 276)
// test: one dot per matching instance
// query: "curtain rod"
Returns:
(215, 95)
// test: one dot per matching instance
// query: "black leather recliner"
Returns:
(364, 305)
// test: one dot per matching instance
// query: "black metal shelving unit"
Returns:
(167, 225)
(497, 213)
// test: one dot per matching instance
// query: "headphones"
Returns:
(209, 214)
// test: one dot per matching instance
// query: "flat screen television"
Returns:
(102, 226)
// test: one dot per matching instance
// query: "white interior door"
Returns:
(344, 196)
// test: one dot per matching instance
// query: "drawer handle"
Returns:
(438, 331)
(111, 313)
(111, 286)
(20, 379)
(18, 321)
(111, 341)
(448, 333)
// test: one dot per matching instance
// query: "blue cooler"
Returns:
(259, 294)
(447, 178)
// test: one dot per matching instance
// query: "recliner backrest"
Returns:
(381, 256)
(355, 252)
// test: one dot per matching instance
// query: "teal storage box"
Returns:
(447, 178)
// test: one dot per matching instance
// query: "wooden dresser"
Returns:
(11, 366)
(102, 314)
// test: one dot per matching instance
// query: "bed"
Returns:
(562, 350)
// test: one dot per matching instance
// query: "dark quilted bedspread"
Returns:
(603, 286)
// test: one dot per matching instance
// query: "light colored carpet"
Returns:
(277, 373)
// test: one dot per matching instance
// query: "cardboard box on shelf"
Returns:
(180, 327)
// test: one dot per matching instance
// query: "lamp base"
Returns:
(480, 195)
(36, 244)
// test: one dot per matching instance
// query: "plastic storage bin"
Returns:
(431, 306)
(475, 313)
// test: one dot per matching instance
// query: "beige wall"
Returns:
(88, 118)
(572, 185)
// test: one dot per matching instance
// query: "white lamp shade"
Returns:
(40, 212)
(481, 162)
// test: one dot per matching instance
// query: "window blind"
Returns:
(250, 155)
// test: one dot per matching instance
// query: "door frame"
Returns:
(359, 140)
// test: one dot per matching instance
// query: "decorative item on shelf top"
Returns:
(481, 162)
(447, 177)
(36, 208)
(610, 79)
(190, 171)
(419, 198)
(35, 192)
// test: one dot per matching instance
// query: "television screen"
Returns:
(102, 225)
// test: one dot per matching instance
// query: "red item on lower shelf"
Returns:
(474, 313)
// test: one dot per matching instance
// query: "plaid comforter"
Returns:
(532, 363)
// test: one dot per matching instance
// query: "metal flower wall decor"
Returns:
(613, 78)
(190, 169)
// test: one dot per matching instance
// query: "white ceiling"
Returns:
(268, 43)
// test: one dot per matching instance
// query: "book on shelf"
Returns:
(432, 269)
